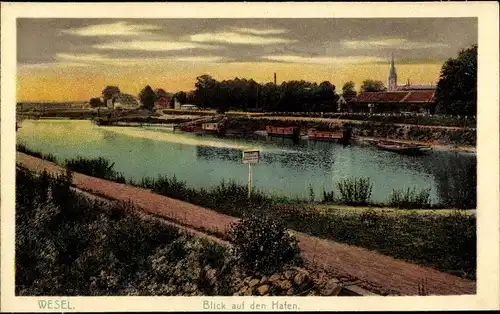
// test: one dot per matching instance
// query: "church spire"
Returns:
(392, 80)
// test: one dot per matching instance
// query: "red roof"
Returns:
(395, 97)
(420, 96)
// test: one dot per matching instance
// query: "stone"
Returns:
(300, 278)
(263, 280)
(211, 276)
(285, 284)
(274, 278)
(263, 289)
(247, 279)
(288, 274)
(243, 289)
(249, 291)
(253, 282)
(290, 291)
(332, 287)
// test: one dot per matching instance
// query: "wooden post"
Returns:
(249, 181)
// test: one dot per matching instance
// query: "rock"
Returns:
(243, 289)
(211, 276)
(263, 289)
(300, 278)
(253, 282)
(288, 274)
(290, 291)
(263, 280)
(274, 278)
(247, 279)
(285, 284)
(249, 291)
(332, 287)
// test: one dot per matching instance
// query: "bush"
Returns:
(23, 149)
(355, 191)
(410, 198)
(96, 167)
(263, 245)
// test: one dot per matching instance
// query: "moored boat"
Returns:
(314, 134)
(403, 148)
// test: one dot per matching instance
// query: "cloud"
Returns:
(92, 59)
(323, 60)
(63, 64)
(255, 31)
(200, 59)
(113, 29)
(153, 46)
(237, 38)
(394, 43)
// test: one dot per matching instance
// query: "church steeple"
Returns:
(392, 80)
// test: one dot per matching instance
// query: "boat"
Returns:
(403, 148)
(282, 131)
(314, 134)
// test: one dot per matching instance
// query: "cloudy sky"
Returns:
(73, 59)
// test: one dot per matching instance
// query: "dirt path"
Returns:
(379, 270)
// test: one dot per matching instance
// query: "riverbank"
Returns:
(341, 258)
(369, 227)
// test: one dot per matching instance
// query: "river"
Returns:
(285, 168)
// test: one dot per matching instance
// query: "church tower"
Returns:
(392, 80)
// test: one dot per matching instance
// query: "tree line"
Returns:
(456, 92)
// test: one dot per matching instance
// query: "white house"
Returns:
(124, 101)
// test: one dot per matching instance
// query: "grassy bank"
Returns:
(130, 253)
(446, 242)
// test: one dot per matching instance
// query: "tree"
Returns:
(372, 86)
(147, 97)
(348, 90)
(108, 92)
(160, 92)
(95, 102)
(181, 97)
(456, 91)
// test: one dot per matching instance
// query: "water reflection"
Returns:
(285, 168)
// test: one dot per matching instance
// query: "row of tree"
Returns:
(147, 96)
(456, 92)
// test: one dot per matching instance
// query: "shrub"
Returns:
(355, 191)
(410, 198)
(263, 245)
(23, 149)
(97, 167)
(328, 197)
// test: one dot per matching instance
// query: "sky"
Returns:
(74, 59)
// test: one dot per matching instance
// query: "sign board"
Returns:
(251, 156)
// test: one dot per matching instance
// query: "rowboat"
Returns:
(403, 148)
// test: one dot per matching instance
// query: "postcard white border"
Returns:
(487, 296)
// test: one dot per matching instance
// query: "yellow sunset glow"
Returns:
(74, 81)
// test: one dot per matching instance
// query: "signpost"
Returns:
(250, 157)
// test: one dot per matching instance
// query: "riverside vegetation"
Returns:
(130, 253)
(446, 242)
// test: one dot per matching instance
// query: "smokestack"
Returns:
(274, 78)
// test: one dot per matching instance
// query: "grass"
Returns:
(127, 254)
(446, 242)
(410, 198)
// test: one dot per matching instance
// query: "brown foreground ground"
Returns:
(375, 270)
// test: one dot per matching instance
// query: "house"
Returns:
(210, 126)
(421, 101)
(123, 101)
(163, 102)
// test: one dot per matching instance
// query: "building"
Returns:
(123, 101)
(163, 102)
(395, 101)
(397, 98)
